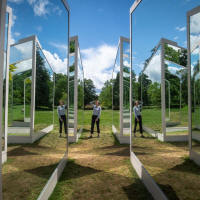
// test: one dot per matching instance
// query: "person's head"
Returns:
(136, 103)
(97, 102)
(61, 102)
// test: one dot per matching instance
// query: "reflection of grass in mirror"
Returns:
(196, 146)
(43, 119)
(177, 133)
(167, 165)
(151, 118)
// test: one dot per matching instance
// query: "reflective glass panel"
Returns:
(195, 79)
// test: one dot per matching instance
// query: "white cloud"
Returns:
(195, 24)
(98, 63)
(194, 40)
(59, 46)
(40, 7)
(17, 34)
(176, 38)
(181, 29)
(59, 65)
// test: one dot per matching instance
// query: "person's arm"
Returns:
(99, 114)
(135, 113)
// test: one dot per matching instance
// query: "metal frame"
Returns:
(193, 155)
(76, 135)
(2, 41)
(4, 153)
(121, 137)
(33, 137)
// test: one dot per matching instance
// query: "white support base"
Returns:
(166, 138)
(75, 138)
(4, 156)
(29, 139)
(196, 136)
(195, 157)
(51, 184)
(121, 138)
(146, 178)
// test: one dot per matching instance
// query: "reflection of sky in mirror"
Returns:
(21, 52)
(116, 65)
(195, 30)
(195, 59)
(80, 67)
(153, 69)
(44, 17)
(175, 69)
(23, 66)
(71, 60)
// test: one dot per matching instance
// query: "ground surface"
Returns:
(29, 167)
(99, 168)
(170, 167)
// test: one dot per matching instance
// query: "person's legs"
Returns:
(92, 124)
(60, 129)
(65, 123)
(135, 126)
(140, 124)
(98, 128)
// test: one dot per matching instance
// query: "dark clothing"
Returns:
(140, 124)
(94, 117)
(63, 117)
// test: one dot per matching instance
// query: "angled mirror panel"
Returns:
(126, 87)
(176, 90)
(20, 72)
(116, 94)
(195, 79)
(44, 94)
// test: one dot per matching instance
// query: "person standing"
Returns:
(62, 116)
(96, 118)
(138, 118)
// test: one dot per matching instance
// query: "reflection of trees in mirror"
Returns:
(116, 86)
(60, 88)
(44, 84)
(72, 68)
(72, 46)
(178, 56)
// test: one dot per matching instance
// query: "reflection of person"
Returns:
(62, 116)
(138, 118)
(96, 117)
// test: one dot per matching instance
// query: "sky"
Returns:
(99, 24)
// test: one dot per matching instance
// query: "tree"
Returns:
(105, 96)
(89, 91)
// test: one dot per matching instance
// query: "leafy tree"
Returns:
(89, 91)
(105, 96)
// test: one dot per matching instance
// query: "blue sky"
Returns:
(99, 25)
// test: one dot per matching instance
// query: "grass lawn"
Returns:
(170, 167)
(99, 168)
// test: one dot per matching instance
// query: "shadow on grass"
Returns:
(20, 151)
(169, 192)
(43, 171)
(73, 170)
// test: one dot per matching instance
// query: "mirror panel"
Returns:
(195, 79)
(20, 73)
(126, 88)
(116, 94)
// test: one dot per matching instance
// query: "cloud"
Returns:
(15, 1)
(40, 7)
(195, 24)
(181, 29)
(59, 65)
(17, 34)
(98, 63)
(194, 40)
(59, 46)
(176, 38)
(39, 28)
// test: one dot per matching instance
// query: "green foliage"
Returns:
(105, 96)
(89, 91)
(72, 46)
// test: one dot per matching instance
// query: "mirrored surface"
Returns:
(195, 79)
(116, 94)
(71, 86)
(126, 88)
(80, 93)
(20, 72)
(4, 83)
(44, 93)
(176, 90)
